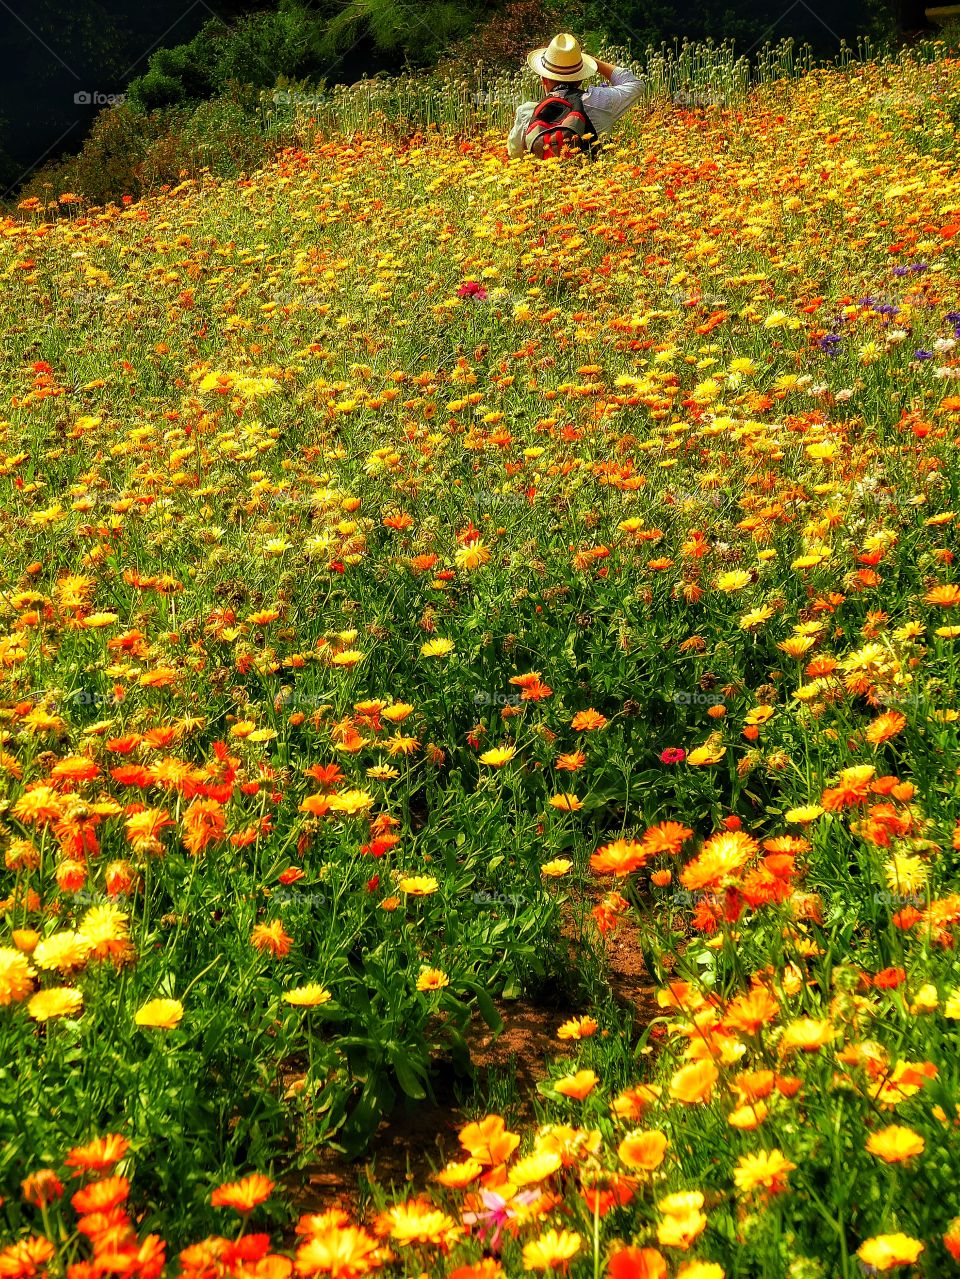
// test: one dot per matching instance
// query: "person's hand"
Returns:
(606, 69)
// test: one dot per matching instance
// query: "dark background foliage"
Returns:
(63, 60)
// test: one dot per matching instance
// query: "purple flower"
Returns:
(953, 317)
(923, 355)
(830, 343)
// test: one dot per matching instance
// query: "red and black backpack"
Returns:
(561, 124)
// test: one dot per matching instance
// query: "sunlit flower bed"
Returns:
(416, 565)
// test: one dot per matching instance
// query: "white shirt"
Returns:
(604, 104)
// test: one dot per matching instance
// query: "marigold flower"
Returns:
(272, 938)
(418, 885)
(160, 1014)
(16, 976)
(637, 1263)
(886, 1252)
(58, 1001)
(578, 1028)
(644, 1150)
(313, 995)
(766, 1170)
(243, 1195)
(895, 1144)
(694, 1083)
(488, 1140)
(588, 721)
(551, 1251)
(432, 979)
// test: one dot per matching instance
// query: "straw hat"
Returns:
(562, 60)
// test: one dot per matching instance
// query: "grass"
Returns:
(418, 564)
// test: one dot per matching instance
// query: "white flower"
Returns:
(845, 394)
(944, 344)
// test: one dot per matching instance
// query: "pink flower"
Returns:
(472, 290)
(673, 755)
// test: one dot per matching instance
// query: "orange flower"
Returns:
(665, 837)
(747, 1013)
(271, 937)
(943, 596)
(578, 1028)
(621, 857)
(488, 1141)
(644, 1150)
(571, 762)
(895, 1144)
(588, 721)
(637, 1263)
(577, 1086)
(694, 1083)
(243, 1195)
(884, 727)
(101, 1196)
(806, 1034)
(99, 1154)
(339, 1250)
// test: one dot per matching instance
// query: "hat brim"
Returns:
(587, 68)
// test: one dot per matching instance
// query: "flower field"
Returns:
(420, 570)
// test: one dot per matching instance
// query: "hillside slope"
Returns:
(402, 543)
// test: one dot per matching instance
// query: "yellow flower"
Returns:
(310, 996)
(735, 580)
(804, 814)
(160, 1014)
(62, 951)
(16, 976)
(498, 756)
(552, 1250)
(566, 802)
(536, 1167)
(895, 1144)
(351, 802)
(58, 1001)
(884, 1252)
(926, 1000)
(472, 556)
(432, 979)
(418, 885)
(554, 869)
(437, 648)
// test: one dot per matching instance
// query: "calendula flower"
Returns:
(578, 1028)
(551, 1251)
(643, 1150)
(886, 1252)
(437, 648)
(160, 1014)
(432, 979)
(578, 1085)
(498, 756)
(57, 1001)
(313, 995)
(271, 938)
(766, 1170)
(16, 976)
(895, 1144)
(244, 1195)
(418, 885)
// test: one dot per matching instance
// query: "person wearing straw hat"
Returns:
(563, 63)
